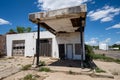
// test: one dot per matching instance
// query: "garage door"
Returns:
(18, 48)
(46, 47)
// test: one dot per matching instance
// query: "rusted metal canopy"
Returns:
(62, 20)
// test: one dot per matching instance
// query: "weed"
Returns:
(29, 77)
(26, 67)
(71, 72)
(42, 63)
(45, 69)
(115, 73)
(98, 70)
(104, 58)
(11, 57)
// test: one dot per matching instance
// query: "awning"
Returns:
(61, 20)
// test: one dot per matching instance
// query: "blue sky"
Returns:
(102, 23)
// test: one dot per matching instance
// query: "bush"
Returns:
(89, 49)
(42, 63)
(29, 77)
(45, 69)
(26, 67)
(98, 70)
(117, 61)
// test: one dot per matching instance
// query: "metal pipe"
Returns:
(38, 45)
(81, 41)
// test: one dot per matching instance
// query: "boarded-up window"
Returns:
(77, 49)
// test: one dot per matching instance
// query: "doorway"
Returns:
(61, 51)
(69, 51)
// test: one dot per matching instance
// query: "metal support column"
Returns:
(81, 41)
(38, 45)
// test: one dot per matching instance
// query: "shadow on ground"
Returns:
(73, 63)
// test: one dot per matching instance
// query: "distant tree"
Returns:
(23, 29)
(116, 45)
(20, 29)
(11, 31)
(28, 29)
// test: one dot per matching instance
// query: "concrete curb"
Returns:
(79, 71)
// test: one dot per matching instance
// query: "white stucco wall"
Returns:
(30, 42)
(70, 38)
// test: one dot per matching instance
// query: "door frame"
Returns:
(67, 50)
(64, 51)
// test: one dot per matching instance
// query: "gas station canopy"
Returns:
(61, 20)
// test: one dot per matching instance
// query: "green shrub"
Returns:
(29, 77)
(42, 63)
(104, 58)
(89, 49)
(26, 67)
(117, 61)
(45, 69)
(91, 55)
(98, 70)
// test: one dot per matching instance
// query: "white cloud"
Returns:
(95, 41)
(118, 42)
(107, 40)
(92, 42)
(105, 14)
(116, 26)
(2, 22)
(56, 4)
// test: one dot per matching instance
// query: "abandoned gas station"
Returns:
(63, 22)
(63, 39)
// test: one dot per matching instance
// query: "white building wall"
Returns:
(30, 42)
(103, 46)
(70, 38)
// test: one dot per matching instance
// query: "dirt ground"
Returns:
(18, 62)
(111, 67)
